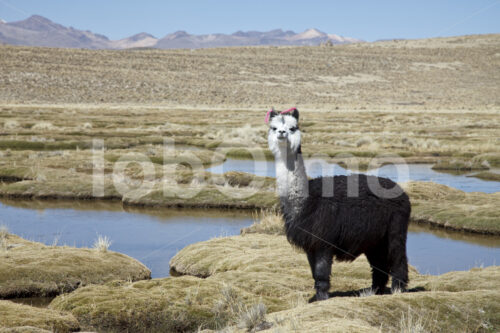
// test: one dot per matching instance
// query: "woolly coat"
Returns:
(349, 225)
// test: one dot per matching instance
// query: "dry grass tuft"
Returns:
(412, 322)
(11, 124)
(102, 244)
(4, 233)
(43, 126)
(269, 221)
(254, 318)
(366, 292)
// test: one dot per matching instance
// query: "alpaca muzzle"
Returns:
(282, 135)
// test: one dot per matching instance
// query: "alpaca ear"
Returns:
(270, 114)
(273, 113)
(295, 114)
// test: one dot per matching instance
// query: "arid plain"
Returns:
(427, 101)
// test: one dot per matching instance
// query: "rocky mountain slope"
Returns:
(40, 31)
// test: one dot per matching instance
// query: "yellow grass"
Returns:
(241, 272)
(32, 269)
(453, 73)
(18, 318)
(450, 208)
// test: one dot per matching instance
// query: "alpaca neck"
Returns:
(291, 180)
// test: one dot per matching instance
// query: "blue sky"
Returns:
(368, 20)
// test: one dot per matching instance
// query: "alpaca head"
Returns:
(284, 132)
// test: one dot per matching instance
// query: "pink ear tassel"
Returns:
(268, 115)
(282, 112)
(289, 110)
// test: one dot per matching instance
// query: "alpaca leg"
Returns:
(397, 255)
(312, 261)
(399, 270)
(322, 269)
(380, 269)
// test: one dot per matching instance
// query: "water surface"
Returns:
(398, 173)
(153, 236)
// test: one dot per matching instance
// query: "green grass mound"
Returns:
(209, 196)
(233, 281)
(23, 329)
(468, 311)
(493, 159)
(19, 318)
(487, 175)
(34, 269)
(268, 267)
(459, 166)
(474, 279)
(161, 305)
(450, 208)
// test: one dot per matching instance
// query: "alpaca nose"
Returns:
(282, 133)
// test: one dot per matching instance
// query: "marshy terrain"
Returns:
(150, 127)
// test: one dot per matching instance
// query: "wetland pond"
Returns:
(398, 173)
(153, 236)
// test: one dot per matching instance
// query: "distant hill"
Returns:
(142, 39)
(40, 31)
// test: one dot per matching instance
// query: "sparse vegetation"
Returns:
(30, 269)
(450, 208)
(460, 166)
(4, 233)
(486, 175)
(102, 243)
(319, 77)
(253, 318)
(256, 281)
(161, 305)
(241, 272)
(267, 222)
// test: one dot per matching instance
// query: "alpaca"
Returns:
(340, 216)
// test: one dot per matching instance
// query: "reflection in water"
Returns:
(398, 173)
(153, 236)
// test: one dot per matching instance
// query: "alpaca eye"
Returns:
(273, 128)
(293, 129)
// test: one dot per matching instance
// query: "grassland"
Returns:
(445, 73)
(18, 318)
(30, 269)
(258, 280)
(428, 100)
(66, 114)
(486, 175)
(432, 101)
(450, 208)
(223, 280)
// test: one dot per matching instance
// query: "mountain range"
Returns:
(40, 31)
